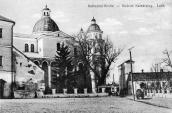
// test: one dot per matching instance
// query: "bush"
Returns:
(139, 94)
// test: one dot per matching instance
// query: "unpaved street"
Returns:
(79, 105)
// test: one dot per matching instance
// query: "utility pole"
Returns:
(131, 71)
(113, 79)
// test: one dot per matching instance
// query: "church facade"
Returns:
(40, 46)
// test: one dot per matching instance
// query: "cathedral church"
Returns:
(40, 47)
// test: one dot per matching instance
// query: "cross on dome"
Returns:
(93, 21)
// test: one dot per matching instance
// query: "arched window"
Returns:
(0, 32)
(58, 46)
(36, 62)
(80, 66)
(95, 36)
(32, 48)
(75, 51)
(100, 35)
(26, 48)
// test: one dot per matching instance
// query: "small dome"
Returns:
(93, 26)
(45, 24)
(93, 19)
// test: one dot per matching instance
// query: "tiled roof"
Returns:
(6, 19)
(151, 76)
(45, 24)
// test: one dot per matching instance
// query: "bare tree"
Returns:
(156, 67)
(167, 60)
(109, 55)
(98, 55)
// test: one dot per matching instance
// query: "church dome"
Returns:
(45, 23)
(93, 26)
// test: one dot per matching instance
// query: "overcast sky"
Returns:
(149, 30)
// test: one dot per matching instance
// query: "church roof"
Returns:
(151, 76)
(93, 26)
(45, 23)
(6, 19)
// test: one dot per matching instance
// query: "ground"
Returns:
(161, 102)
(80, 105)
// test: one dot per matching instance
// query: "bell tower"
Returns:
(94, 31)
(46, 12)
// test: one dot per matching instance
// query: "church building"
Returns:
(40, 46)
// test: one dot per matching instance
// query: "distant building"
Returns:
(149, 81)
(124, 70)
(94, 36)
(6, 56)
(160, 82)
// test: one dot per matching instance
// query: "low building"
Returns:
(149, 81)
(160, 82)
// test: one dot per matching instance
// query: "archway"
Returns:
(2, 82)
(45, 68)
(54, 75)
(36, 62)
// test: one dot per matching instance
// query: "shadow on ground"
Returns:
(149, 103)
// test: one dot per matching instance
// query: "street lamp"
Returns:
(131, 72)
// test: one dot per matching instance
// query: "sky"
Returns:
(148, 30)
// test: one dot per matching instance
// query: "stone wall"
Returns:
(27, 72)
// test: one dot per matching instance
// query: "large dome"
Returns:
(93, 26)
(45, 24)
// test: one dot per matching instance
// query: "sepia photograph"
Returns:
(85, 56)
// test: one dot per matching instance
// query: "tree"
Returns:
(167, 60)
(156, 67)
(108, 55)
(64, 67)
(98, 55)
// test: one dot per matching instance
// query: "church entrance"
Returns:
(45, 68)
(2, 82)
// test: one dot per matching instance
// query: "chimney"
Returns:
(161, 70)
(142, 71)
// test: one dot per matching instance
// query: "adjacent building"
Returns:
(159, 82)
(6, 56)
(124, 70)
